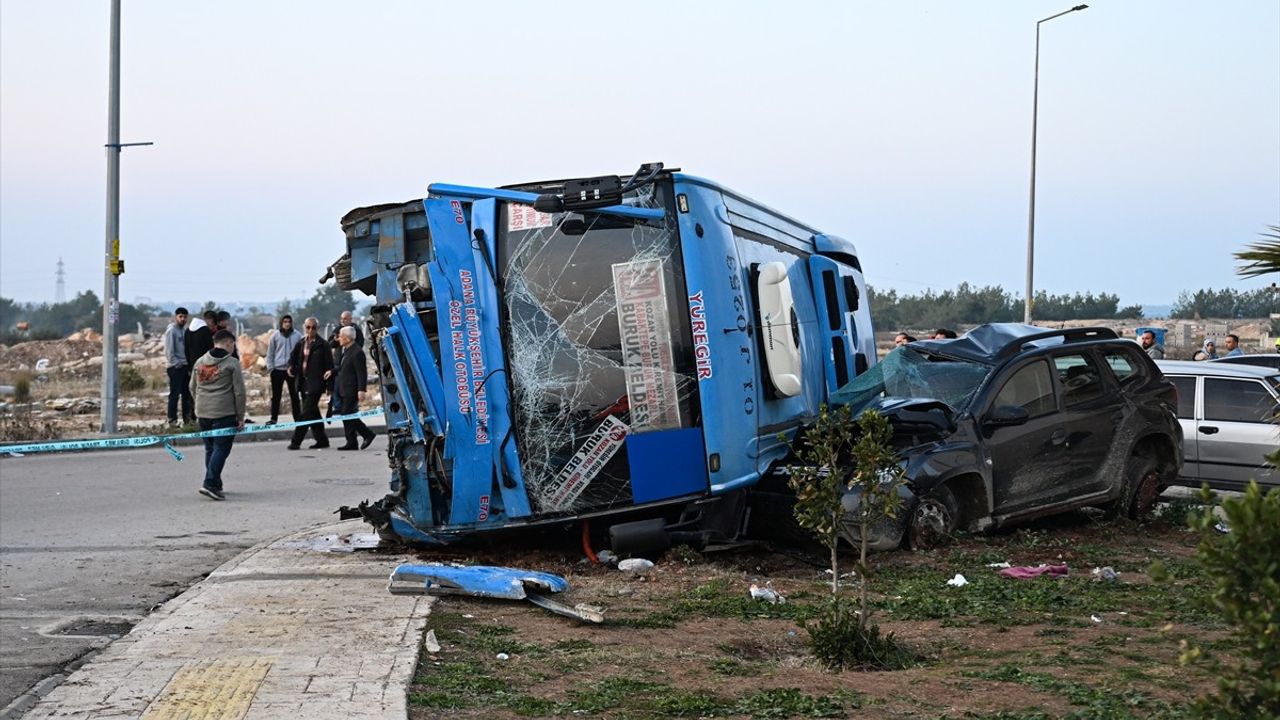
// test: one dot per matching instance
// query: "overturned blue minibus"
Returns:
(628, 351)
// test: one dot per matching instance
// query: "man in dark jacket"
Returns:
(346, 319)
(311, 365)
(353, 376)
(199, 337)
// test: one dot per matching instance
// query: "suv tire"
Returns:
(934, 519)
(1141, 488)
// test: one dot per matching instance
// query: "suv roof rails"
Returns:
(1068, 335)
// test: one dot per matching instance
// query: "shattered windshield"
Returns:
(598, 344)
(906, 373)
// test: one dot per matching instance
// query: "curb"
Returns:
(29, 699)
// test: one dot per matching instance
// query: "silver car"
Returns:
(1226, 412)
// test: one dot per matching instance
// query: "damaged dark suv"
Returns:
(1012, 422)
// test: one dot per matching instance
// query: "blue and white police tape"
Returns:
(166, 440)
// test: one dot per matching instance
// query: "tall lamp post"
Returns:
(1031, 213)
(114, 265)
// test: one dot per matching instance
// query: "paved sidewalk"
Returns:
(285, 630)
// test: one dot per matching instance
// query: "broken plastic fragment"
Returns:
(1105, 574)
(635, 566)
(999, 565)
(766, 594)
(606, 557)
(958, 581)
(503, 656)
(1096, 619)
(430, 642)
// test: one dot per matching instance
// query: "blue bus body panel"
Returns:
(492, 387)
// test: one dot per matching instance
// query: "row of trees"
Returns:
(48, 321)
(1226, 303)
(970, 304)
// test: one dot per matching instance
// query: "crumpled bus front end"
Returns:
(535, 366)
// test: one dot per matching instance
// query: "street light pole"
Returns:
(1031, 212)
(114, 265)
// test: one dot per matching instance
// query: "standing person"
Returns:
(199, 337)
(218, 385)
(344, 320)
(279, 355)
(311, 366)
(1232, 344)
(353, 376)
(224, 325)
(1148, 343)
(178, 368)
(1210, 350)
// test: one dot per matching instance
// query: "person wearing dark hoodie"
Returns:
(279, 354)
(217, 382)
(199, 337)
(311, 365)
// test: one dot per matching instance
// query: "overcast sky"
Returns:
(903, 126)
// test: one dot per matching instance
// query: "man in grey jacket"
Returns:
(218, 385)
(279, 350)
(179, 371)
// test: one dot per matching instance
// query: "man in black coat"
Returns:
(199, 337)
(311, 364)
(353, 376)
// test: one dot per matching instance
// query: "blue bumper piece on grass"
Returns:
(489, 582)
(477, 581)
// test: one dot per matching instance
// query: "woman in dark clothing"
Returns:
(353, 376)
(311, 364)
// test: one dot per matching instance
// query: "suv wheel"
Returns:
(1142, 485)
(933, 520)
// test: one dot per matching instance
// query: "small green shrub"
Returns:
(839, 641)
(131, 379)
(1244, 567)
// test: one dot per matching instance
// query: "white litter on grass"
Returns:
(606, 557)
(766, 594)
(999, 565)
(503, 656)
(430, 642)
(958, 581)
(635, 566)
(1096, 619)
(1105, 574)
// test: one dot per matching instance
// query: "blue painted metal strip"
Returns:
(422, 361)
(506, 461)
(525, 198)
(462, 362)
(410, 410)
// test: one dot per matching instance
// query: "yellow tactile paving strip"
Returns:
(210, 690)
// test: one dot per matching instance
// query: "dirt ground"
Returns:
(687, 641)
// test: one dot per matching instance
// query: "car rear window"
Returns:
(1030, 388)
(1237, 401)
(1124, 365)
(1080, 378)
(1186, 395)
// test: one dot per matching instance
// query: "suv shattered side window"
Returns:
(1080, 377)
(1030, 388)
(1124, 365)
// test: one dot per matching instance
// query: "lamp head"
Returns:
(1079, 7)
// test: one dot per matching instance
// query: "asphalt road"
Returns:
(90, 542)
